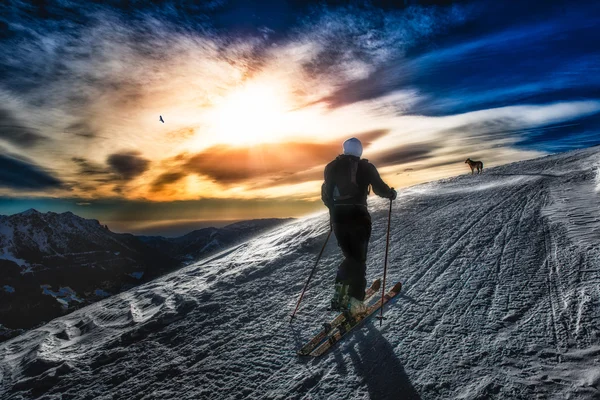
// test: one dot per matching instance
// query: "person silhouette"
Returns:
(344, 192)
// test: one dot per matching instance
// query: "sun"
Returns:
(252, 114)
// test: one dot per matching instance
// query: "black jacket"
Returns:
(363, 173)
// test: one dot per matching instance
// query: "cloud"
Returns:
(452, 160)
(405, 154)
(82, 129)
(352, 41)
(231, 165)
(260, 166)
(89, 80)
(364, 51)
(498, 135)
(21, 174)
(128, 165)
(522, 123)
(368, 137)
(486, 61)
(166, 179)
(289, 178)
(380, 82)
(89, 168)
(181, 134)
(16, 133)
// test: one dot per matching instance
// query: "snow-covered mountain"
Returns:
(501, 299)
(54, 263)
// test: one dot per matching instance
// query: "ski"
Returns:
(329, 327)
(346, 326)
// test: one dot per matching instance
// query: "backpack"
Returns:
(345, 186)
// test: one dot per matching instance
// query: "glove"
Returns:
(393, 195)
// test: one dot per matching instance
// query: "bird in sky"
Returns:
(161, 120)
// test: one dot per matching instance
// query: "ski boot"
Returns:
(339, 302)
(356, 307)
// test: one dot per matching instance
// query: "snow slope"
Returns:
(77, 261)
(501, 299)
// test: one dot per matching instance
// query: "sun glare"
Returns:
(252, 114)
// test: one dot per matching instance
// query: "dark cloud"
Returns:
(486, 130)
(16, 133)
(89, 168)
(496, 56)
(453, 161)
(368, 137)
(82, 129)
(582, 132)
(405, 154)
(384, 80)
(166, 179)
(128, 165)
(21, 174)
(364, 34)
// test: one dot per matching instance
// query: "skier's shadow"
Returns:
(379, 366)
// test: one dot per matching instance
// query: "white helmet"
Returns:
(353, 147)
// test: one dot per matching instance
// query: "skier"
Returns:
(344, 192)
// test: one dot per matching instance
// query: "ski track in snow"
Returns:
(501, 299)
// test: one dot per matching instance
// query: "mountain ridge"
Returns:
(78, 261)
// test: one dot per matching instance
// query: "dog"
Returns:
(475, 164)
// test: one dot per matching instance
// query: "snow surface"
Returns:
(6, 232)
(501, 299)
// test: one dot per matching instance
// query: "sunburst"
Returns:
(251, 114)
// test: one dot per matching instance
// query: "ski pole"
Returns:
(385, 262)
(311, 274)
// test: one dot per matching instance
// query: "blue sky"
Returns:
(257, 96)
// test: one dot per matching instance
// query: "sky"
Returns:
(257, 97)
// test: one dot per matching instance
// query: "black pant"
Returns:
(353, 233)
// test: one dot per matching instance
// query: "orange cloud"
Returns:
(231, 165)
(181, 134)
(259, 166)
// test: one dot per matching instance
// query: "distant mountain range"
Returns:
(54, 263)
(198, 243)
